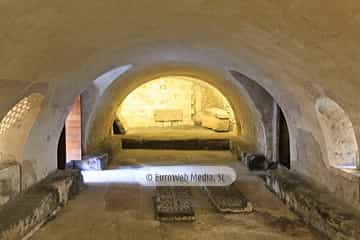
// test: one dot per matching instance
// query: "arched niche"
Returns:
(189, 97)
(16, 126)
(339, 135)
(99, 129)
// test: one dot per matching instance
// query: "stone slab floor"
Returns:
(126, 212)
(121, 212)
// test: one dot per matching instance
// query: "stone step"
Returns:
(188, 144)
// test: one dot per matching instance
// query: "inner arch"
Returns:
(176, 105)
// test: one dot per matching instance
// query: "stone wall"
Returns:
(316, 206)
(17, 173)
(297, 50)
(264, 106)
(341, 145)
(178, 99)
(344, 186)
(10, 181)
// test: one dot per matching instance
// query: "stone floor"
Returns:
(121, 212)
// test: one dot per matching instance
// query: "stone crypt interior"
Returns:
(94, 94)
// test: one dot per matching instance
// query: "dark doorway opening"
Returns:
(69, 145)
(61, 151)
(284, 142)
(117, 129)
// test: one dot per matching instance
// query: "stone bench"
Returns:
(316, 206)
(23, 215)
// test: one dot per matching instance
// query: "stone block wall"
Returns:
(10, 181)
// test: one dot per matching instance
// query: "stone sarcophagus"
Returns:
(168, 115)
(215, 119)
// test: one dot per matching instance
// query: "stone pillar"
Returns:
(275, 132)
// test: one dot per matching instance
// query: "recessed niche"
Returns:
(338, 131)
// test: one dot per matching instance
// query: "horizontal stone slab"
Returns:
(228, 199)
(23, 215)
(189, 144)
(173, 204)
(168, 115)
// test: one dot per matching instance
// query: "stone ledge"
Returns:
(316, 206)
(22, 216)
(177, 144)
(350, 174)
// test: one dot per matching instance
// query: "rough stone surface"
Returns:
(9, 181)
(228, 199)
(31, 209)
(213, 119)
(297, 50)
(173, 204)
(114, 211)
(257, 162)
(168, 115)
(19, 121)
(90, 163)
(126, 212)
(316, 206)
(263, 103)
(340, 139)
(343, 185)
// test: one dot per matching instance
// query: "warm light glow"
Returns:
(172, 101)
(16, 125)
(14, 115)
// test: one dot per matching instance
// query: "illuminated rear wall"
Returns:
(170, 101)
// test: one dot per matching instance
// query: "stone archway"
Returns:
(177, 102)
(15, 127)
(99, 127)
